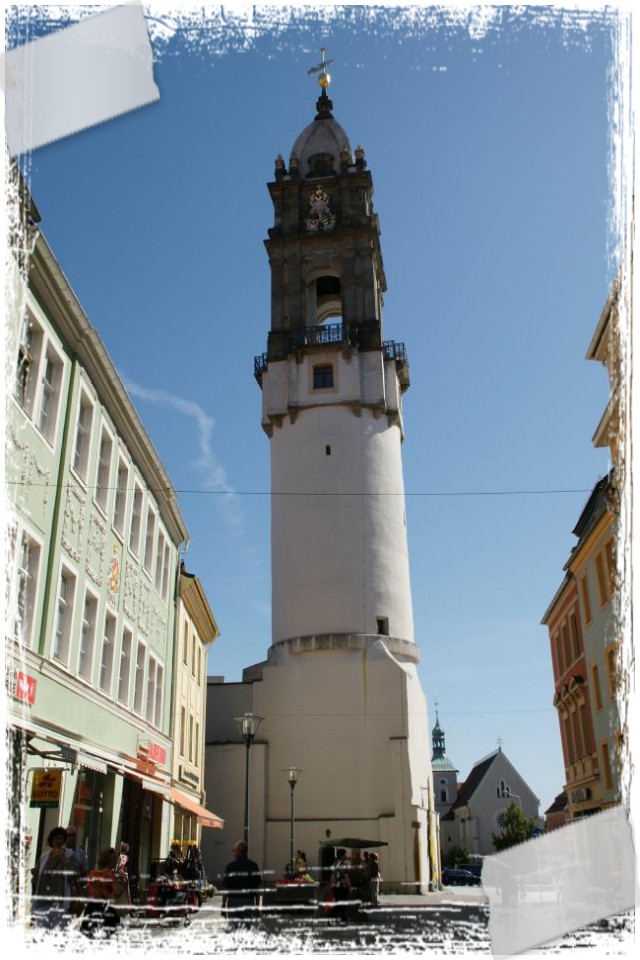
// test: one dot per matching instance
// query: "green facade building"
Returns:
(93, 540)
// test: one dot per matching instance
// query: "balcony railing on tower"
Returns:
(335, 333)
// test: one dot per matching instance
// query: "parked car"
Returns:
(459, 878)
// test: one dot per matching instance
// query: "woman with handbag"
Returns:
(108, 902)
(55, 874)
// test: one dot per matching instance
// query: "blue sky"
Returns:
(489, 157)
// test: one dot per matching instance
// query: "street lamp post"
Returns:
(248, 725)
(293, 774)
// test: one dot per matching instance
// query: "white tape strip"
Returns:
(566, 879)
(77, 77)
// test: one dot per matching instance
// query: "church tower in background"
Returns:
(344, 698)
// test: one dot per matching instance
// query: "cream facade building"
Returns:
(196, 632)
(613, 344)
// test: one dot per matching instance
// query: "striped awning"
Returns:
(205, 817)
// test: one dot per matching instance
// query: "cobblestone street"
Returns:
(453, 923)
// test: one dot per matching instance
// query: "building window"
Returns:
(323, 376)
(606, 766)
(165, 572)
(443, 795)
(120, 506)
(185, 646)
(10, 538)
(125, 666)
(623, 759)
(190, 739)
(586, 733)
(602, 579)
(382, 626)
(50, 396)
(199, 667)
(610, 553)
(573, 624)
(106, 660)
(623, 664)
(610, 660)
(157, 708)
(595, 683)
(197, 750)
(565, 644)
(577, 739)
(87, 636)
(83, 436)
(27, 365)
(193, 653)
(136, 516)
(64, 614)
(586, 600)
(558, 648)
(148, 547)
(138, 686)
(151, 689)
(159, 561)
(183, 716)
(568, 740)
(28, 567)
(104, 469)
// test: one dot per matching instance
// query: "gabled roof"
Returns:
(473, 781)
(478, 774)
(560, 803)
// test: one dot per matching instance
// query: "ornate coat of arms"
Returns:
(320, 216)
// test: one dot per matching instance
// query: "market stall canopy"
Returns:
(353, 843)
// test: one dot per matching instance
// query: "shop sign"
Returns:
(579, 796)
(157, 754)
(46, 787)
(188, 775)
(21, 686)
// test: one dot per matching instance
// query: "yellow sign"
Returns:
(46, 787)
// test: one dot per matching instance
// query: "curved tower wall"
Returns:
(338, 534)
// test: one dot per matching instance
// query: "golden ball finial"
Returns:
(324, 79)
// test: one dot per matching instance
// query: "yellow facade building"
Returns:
(613, 344)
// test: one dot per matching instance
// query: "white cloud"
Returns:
(212, 473)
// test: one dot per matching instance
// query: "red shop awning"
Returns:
(205, 817)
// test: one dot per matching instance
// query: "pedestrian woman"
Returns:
(52, 876)
(122, 869)
(105, 889)
(341, 886)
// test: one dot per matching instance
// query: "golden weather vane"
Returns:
(324, 79)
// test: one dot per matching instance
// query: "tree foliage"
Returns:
(454, 857)
(516, 828)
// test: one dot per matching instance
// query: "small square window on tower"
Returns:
(323, 376)
(383, 626)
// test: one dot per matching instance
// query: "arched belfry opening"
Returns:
(328, 299)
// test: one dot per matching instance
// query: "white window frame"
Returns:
(15, 537)
(126, 628)
(123, 492)
(139, 709)
(135, 550)
(160, 547)
(84, 400)
(95, 600)
(158, 705)
(64, 568)
(102, 491)
(166, 561)
(45, 348)
(109, 614)
(149, 540)
(25, 392)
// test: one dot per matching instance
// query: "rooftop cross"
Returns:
(324, 79)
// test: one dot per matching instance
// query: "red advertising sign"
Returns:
(157, 754)
(21, 686)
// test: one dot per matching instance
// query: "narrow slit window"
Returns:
(382, 624)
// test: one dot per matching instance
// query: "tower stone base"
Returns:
(349, 711)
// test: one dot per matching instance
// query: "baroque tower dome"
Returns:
(319, 146)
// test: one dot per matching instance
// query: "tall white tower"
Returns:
(339, 692)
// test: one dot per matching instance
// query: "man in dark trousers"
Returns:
(241, 887)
